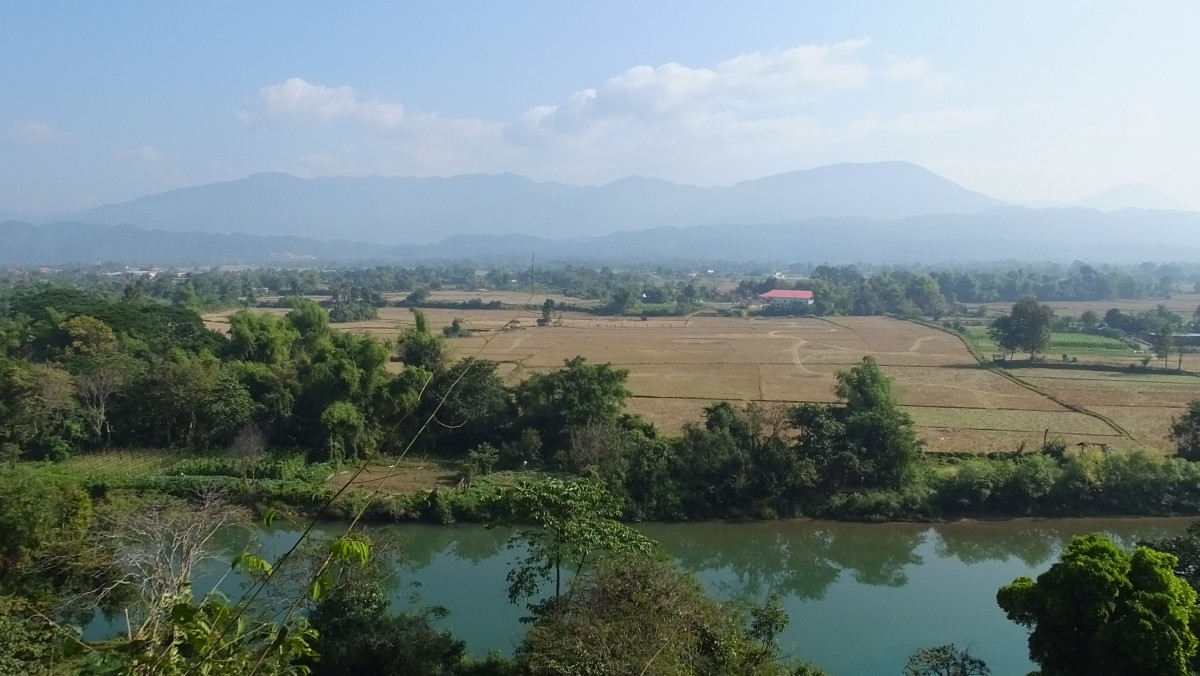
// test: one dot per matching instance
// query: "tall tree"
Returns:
(1164, 340)
(567, 525)
(1026, 328)
(1102, 612)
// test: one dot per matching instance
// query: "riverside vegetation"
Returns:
(262, 417)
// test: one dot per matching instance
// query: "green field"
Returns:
(1060, 343)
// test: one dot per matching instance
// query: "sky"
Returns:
(107, 101)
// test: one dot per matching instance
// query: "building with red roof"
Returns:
(787, 295)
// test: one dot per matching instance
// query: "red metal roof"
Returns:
(785, 294)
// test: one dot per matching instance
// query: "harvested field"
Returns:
(510, 298)
(679, 365)
(1183, 304)
(1142, 403)
(1150, 425)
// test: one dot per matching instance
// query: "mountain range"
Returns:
(881, 212)
(405, 210)
(1127, 196)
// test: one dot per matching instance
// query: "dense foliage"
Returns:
(1102, 611)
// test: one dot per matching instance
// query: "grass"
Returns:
(1076, 344)
(118, 465)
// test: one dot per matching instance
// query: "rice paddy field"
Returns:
(679, 365)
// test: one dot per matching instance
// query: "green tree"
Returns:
(38, 410)
(1186, 549)
(1164, 340)
(1026, 328)
(260, 337)
(1089, 321)
(29, 644)
(1185, 432)
(1100, 611)
(572, 396)
(418, 346)
(89, 336)
(566, 526)
(867, 442)
(636, 614)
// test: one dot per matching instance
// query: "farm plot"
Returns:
(1142, 403)
(1180, 303)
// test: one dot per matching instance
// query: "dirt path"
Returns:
(916, 346)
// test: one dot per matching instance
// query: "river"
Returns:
(862, 597)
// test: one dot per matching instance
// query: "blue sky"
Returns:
(108, 101)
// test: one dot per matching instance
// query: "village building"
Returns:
(787, 296)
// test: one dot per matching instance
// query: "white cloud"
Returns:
(746, 116)
(782, 90)
(148, 154)
(35, 132)
(300, 99)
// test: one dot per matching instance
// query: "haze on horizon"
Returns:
(1023, 101)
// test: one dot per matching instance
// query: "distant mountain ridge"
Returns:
(1127, 196)
(1002, 233)
(1131, 196)
(425, 210)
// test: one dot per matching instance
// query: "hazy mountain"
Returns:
(68, 243)
(9, 215)
(1002, 233)
(1131, 196)
(1006, 233)
(425, 210)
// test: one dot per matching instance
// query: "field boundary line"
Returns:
(1121, 431)
(834, 401)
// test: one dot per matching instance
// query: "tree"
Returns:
(1026, 328)
(1089, 320)
(29, 644)
(98, 385)
(1185, 548)
(574, 395)
(417, 346)
(1003, 332)
(1185, 432)
(638, 615)
(547, 310)
(946, 660)
(261, 337)
(89, 336)
(1100, 611)
(567, 525)
(868, 442)
(39, 410)
(1164, 340)
(156, 551)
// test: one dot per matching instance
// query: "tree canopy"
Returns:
(1101, 611)
(1026, 328)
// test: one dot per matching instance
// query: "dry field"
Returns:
(678, 365)
(1142, 403)
(1183, 304)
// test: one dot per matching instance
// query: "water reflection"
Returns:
(905, 585)
(800, 559)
